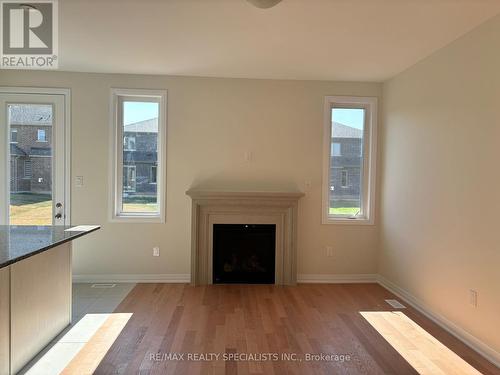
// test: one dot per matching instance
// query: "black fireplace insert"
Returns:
(244, 253)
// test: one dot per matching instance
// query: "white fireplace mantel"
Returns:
(224, 207)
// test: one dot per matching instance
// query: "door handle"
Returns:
(59, 214)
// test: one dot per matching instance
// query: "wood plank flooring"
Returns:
(257, 320)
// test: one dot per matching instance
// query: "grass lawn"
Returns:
(140, 207)
(30, 209)
(36, 209)
(344, 211)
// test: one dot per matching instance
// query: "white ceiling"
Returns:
(360, 40)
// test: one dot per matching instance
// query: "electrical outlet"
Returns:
(473, 297)
(329, 251)
(248, 156)
(156, 251)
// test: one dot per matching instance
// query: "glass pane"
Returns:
(140, 156)
(30, 164)
(346, 161)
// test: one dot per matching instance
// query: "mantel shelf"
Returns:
(221, 194)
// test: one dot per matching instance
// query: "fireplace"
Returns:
(276, 210)
(244, 253)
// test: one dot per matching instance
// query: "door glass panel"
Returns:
(30, 160)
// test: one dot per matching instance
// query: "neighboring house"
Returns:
(30, 148)
(346, 154)
(140, 158)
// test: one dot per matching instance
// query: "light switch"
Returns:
(79, 181)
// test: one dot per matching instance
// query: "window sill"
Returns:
(138, 218)
(347, 221)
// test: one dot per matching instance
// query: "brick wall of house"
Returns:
(41, 179)
(41, 166)
(350, 160)
(144, 157)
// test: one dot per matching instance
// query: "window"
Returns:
(13, 136)
(152, 178)
(129, 178)
(139, 139)
(27, 169)
(129, 143)
(41, 135)
(335, 149)
(349, 182)
(343, 179)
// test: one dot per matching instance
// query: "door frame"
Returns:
(66, 94)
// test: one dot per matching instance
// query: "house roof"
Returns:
(40, 151)
(16, 150)
(30, 114)
(146, 126)
(344, 131)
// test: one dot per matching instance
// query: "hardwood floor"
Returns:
(254, 319)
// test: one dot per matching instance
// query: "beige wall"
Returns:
(211, 123)
(440, 182)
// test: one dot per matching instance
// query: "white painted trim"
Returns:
(336, 278)
(66, 94)
(174, 278)
(474, 343)
(115, 173)
(370, 160)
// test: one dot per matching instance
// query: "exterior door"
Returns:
(34, 164)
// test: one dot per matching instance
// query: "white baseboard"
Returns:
(487, 352)
(178, 278)
(336, 278)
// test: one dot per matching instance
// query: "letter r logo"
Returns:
(27, 28)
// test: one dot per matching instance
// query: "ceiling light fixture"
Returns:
(264, 4)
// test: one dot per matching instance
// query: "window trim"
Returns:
(12, 131)
(369, 160)
(155, 174)
(38, 139)
(116, 155)
(135, 145)
(333, 149)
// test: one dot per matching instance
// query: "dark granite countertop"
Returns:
(21, 242)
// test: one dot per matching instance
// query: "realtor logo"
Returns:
(29, 34)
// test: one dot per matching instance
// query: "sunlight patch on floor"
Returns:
(85, 344)
(92, 353)
(420, 349)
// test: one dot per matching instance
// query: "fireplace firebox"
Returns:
(244, 253)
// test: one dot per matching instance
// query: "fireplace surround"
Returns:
(222, 207)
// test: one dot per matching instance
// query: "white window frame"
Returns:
(38, 132)
(12, 131)
(370, 104)
(339, 150)
(127, 148)
(151, 174)
(116, 157)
